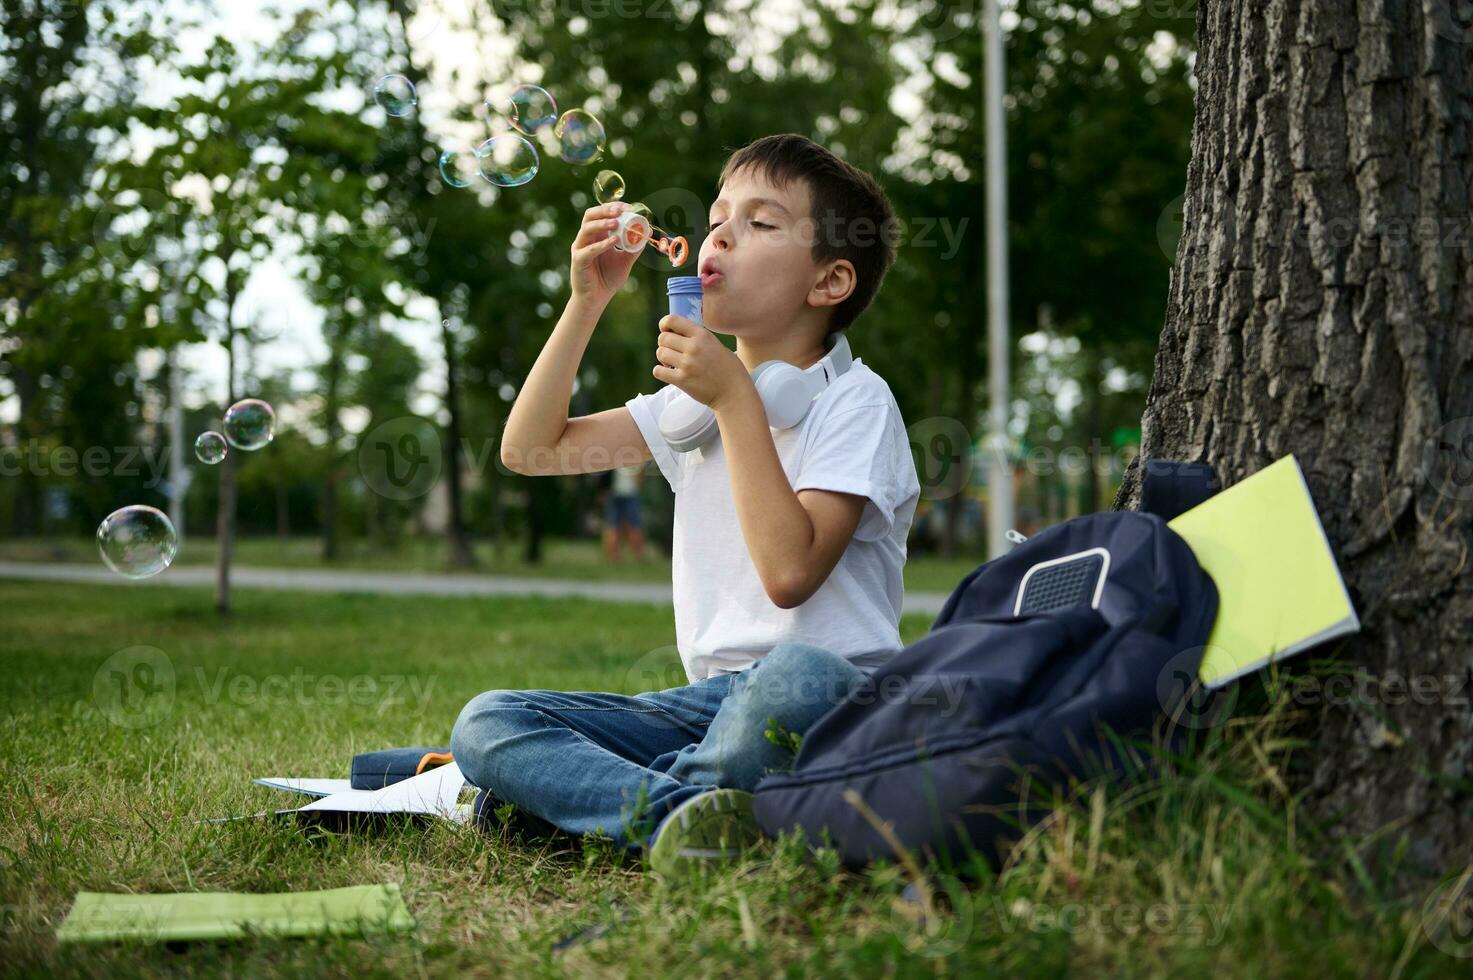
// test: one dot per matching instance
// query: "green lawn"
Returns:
(1212, 872)
(563, 558)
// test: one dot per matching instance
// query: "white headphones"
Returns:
(787, 392)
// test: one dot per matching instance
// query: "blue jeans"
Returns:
(622, 509)
(617, 764)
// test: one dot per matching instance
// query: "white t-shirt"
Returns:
(853, 440)
(626, 480)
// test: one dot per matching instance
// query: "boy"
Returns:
(788, 543)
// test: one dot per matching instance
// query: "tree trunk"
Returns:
(283, 504)
(225, 532)
(533, 553)
(498, 514)
(1320, 305)
(456, 538)
(967, 410)
(1094, 395)
(333, 381)
(26, 518)
(225, 507)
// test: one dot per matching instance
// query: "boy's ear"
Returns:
(835, 283)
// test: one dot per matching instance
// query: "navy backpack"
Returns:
(1034, 660)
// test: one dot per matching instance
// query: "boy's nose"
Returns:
(720, 237)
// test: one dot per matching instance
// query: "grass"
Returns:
(1206, 870)
(562, 558)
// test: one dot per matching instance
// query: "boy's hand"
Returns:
(599, 269)
(692, 359)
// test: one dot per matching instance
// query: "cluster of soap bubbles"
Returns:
(249, 425)
(138, 541)
(509, 158)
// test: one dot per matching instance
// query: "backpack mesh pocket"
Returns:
(1074, 580)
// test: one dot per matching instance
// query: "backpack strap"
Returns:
(1171, 488)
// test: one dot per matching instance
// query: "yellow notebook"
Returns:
(1279, 589)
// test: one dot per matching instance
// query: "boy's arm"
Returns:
(539, 438)
(795, 539)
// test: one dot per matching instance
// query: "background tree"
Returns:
(1098, 137)
(239, 157)
(1097, 109)
(69, 328)
(382, 387)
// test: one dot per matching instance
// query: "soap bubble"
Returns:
(608, 187)
(532, 108)
(642, 209)
(507, 160)
(137, 541)
(458, 166)
(250, 424)
(396, 94)
(580, 136)
(210, 447)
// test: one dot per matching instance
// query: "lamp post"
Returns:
(1000, 477)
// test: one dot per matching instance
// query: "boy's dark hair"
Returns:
(854, 218)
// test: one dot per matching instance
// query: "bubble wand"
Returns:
(635, 227)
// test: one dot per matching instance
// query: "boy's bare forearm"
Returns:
(540, 413)
(774, 523)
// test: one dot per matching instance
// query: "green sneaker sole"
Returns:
(705, 831)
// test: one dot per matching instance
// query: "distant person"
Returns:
(622, 514)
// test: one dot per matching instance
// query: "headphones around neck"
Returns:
(787, 392)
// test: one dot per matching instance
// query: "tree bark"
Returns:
(26, 518)
(533, 553)
(333, 374)
(283, 511)
(225, 507)
(1094, 394)
(1320, 305)
(225, 532)
(455, 533)
(966, 403)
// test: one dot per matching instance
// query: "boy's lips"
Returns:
(710, 273)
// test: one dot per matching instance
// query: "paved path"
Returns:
(388, 583)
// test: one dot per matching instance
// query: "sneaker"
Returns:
(707, 830)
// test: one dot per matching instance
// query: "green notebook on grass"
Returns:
(100, 917)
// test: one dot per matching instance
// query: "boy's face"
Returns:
(756, 264)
